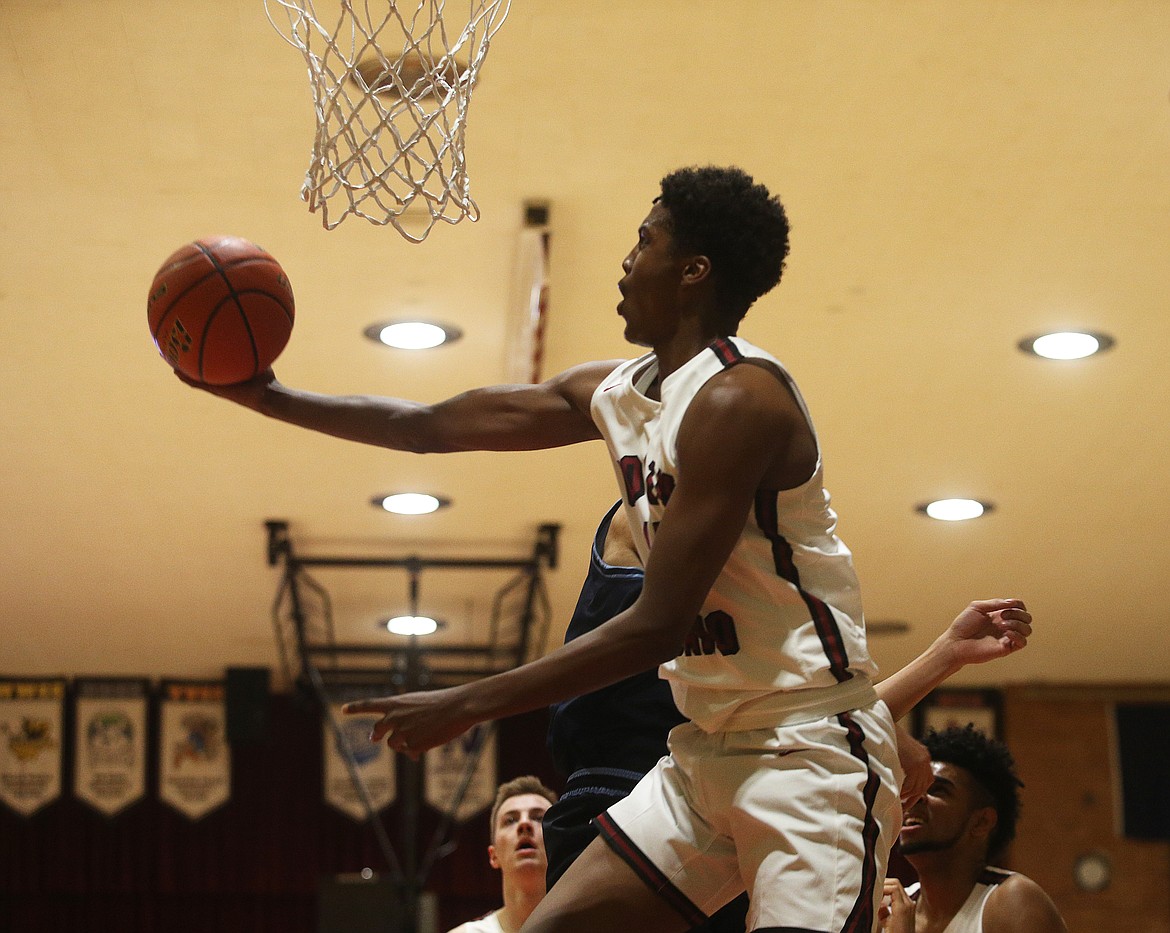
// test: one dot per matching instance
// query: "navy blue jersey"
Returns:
(622, 726)
(607, 740)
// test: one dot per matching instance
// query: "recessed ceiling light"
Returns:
(955, 510)
(1067, 345)
(413, 335)
(410, 503)
(411, 625)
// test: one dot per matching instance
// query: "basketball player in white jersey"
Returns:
(517, 852)
(785, 782)
(966, 819)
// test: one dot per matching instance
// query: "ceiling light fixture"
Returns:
(955, 510)
(1067, 345)
(411, 625)
(410, 503)
(412, 335)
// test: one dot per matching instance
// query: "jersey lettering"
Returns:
(711, 633)
(659, 486)
(631, 467)
(655, 484)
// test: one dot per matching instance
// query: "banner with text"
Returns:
(32, 716)
(348, 737)
(109, 741)
(194, 774)
(466, 764)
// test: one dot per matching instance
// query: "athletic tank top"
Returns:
(785, 613)
(969, 919)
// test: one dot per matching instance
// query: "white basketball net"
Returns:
(391, 85)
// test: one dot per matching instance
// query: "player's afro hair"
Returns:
(721, 213)
(992, 766)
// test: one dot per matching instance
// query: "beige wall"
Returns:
(1060, 737)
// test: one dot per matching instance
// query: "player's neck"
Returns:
(945, 882)
(689, 339)
(521, 895)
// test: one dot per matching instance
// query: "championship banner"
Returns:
(109, 741)
(32, 715)
(469, 759)
(194, 774)
(373, 763)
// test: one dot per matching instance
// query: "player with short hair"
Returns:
(517, 852)
(950, 836)
(786, 780)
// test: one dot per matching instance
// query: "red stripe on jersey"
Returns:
(861, 917)
(821, 615)
(727, 351)
(647, 870)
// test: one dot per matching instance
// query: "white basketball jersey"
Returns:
(785, 614)
(969, 919)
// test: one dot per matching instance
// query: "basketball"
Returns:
(220, 310)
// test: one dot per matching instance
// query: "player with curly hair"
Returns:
(785, 780)
(736, 224)
(965, 821)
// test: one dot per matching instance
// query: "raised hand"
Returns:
(986, 630)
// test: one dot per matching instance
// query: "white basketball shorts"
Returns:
(801, 816)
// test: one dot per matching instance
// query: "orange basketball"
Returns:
(220, 310)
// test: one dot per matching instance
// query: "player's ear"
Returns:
(492, 860)
(983, 821)
(696, 269)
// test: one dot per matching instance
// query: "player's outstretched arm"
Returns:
(986, 630)
(518, 417)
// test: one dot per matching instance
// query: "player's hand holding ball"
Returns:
(221, 311)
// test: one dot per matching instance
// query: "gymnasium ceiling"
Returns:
(959, 176)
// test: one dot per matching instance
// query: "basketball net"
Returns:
(391, 86)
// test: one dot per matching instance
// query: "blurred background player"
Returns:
(951, 835)
(517, 851)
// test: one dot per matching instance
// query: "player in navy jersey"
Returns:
(785, 779)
